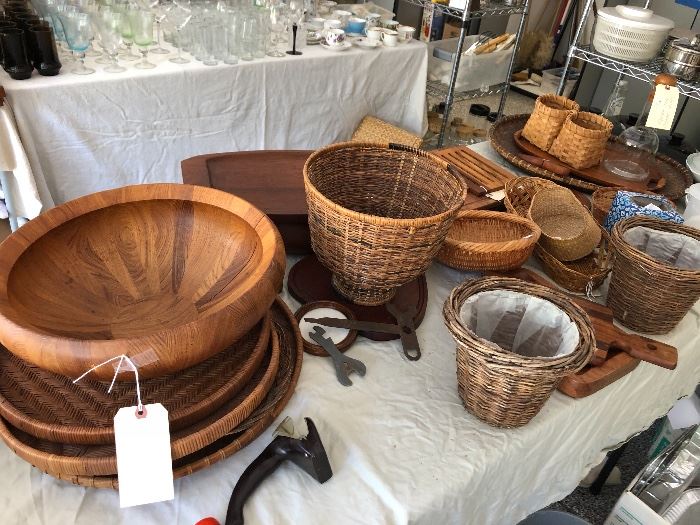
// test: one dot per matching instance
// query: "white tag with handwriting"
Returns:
(144, 463)
(663, 108)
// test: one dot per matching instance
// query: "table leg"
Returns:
(610, 462)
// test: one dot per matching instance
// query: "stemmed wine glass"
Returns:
(179, 16)
(111, 38)
(160, 12)
(277, 24)
(128, 35)
(78, 31)
(142, 28)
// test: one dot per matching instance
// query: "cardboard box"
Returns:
(433, 24)
(451, 29)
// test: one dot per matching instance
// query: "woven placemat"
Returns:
(100, 460)
(677, 176)
(291, 354)
(50, 406)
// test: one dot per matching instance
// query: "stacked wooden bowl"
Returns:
(181, 279)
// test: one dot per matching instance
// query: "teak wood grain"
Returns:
(271, 180)
(596, 174)
(167, 274)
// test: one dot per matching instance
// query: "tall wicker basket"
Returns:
(501, 387)
(547, 118)
(378, 214)
(646, 294)
(582, 139)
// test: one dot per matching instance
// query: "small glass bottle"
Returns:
(613, 108)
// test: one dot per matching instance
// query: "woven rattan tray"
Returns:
(677, 176)
(100, 460)
(291, 353)
(50, 406)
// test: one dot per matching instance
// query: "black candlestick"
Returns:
(294, 41)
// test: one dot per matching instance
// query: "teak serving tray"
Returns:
(596, 174)
(609, 339)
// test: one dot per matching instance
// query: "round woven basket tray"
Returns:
(291, 355)
(100, 460)
(677, 176)
(50, 406)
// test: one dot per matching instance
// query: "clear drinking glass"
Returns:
(277, 24)
(233, 31)
(78, 31)
(249, 31)
(160, 12)
(111, 38)
(180, 16)
(128, 36)
(95, 21)
(142, 27)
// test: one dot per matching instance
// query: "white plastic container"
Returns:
(630, 33)
(475, 71)
(692, 206)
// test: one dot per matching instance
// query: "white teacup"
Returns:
(390, 37)
(406, 33)
(332, 24)
(387, 23)
(373, 20)
(317, 23)
(335, 37)
(374, 34)
(343, 16)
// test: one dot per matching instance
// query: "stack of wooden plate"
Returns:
(183, 280)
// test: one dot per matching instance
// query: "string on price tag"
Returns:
(142, 438)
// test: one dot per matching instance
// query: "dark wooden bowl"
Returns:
(167, 274)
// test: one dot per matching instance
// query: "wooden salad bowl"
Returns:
(167, 274)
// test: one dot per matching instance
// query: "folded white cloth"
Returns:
(22, 191)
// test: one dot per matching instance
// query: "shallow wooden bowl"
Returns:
(167, 274)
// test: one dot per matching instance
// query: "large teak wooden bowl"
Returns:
(167, 274)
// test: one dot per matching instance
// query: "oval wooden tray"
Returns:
(291, 355)
(100, 460)
(167, 274)
(50, 406)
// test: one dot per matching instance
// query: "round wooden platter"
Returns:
(315, 349)
(50, 406)
(291, 355)
(100, 460)
(310, 281)
(167, 274)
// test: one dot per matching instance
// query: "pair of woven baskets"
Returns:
(378, 214)
(581, 275)
(575, 137)
(496, 384)
(488, 240)
(651, 291)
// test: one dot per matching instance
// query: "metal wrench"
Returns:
(344, 365)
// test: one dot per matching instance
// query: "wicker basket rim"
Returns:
(655, 224)
(376, 219)
(603, 125)
(525, 240)
(562, 103)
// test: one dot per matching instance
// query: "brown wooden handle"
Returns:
(648, 350)
(550, 165)
(599, 357)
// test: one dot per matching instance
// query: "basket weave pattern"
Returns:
(547, 119)
(372, 129)
(378, 215)
(645, 294)
(500, 387)
(582, 139)
(568, 230)
(488, 240)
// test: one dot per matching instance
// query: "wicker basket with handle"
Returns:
(378, 214)
(547, 119)
(648, 294)
(582, 140)
(488, 240)
(496, 384)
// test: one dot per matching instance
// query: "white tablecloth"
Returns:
(94, 132)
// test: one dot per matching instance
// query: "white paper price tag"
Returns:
(144, 463)
(663, 108)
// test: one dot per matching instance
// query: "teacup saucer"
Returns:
(354, 34)
(366, 43)
(343, 47)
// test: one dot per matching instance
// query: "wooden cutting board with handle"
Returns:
(618, 352)
(596, 174)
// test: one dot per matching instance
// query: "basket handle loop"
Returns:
(403, 147)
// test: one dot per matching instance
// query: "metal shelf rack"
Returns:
(435, 88)
(645, 71)
(492, 8)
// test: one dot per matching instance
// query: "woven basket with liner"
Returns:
(508, 367)
(547, 119)
(582, 140)
(578, 276)
(372, 129)
(488, 240)
(378, 214)
(568, 229)
(656, 274)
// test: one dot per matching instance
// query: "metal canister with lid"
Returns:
(682, 59)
